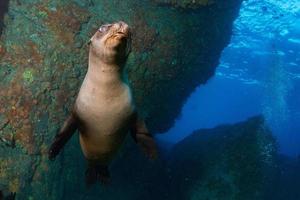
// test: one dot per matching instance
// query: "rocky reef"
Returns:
(43, 56)
(235, 162)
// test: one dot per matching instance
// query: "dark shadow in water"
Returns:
(3, 10)
(286, 182)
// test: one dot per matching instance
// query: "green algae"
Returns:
(28, 76)
(42, 14)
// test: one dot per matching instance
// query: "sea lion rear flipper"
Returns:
(62, 137)
(91, 175)
(96, 172)
(142, 137)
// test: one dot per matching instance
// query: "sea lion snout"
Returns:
(112, 43)
(121, 30)
(124, 28)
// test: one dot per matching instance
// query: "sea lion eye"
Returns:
(103, 28)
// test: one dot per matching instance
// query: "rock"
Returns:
(185, 4)
(235, 162)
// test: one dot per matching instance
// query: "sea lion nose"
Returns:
(123, 26)
(121, 23)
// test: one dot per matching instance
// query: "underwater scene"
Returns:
(149, 100)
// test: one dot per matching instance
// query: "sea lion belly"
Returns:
(105, 115)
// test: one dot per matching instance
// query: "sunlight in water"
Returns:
(277, 87)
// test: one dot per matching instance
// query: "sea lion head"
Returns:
(111, 43)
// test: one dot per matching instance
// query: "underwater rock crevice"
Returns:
(183, 70)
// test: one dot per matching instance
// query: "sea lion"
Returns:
(104, 111)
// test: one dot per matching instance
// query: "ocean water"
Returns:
(236, 135)
(258, 74)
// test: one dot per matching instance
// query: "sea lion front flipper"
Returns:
(142, 137)
(62, 137)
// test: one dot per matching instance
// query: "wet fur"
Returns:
(104, 103)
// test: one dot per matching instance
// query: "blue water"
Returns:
(259, 73)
